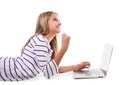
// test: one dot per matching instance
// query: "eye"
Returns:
(55, 19)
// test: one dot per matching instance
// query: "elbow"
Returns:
(48, 76)
(50, 70)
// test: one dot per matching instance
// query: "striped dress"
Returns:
(35, 59)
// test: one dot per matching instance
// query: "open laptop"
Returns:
(100, 72)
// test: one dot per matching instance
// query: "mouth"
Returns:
(58, 26)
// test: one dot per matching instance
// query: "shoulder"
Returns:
(39, 39)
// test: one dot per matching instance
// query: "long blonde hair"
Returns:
(42, 28)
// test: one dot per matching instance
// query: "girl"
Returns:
(40, 53)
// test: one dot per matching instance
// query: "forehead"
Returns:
(54, 15)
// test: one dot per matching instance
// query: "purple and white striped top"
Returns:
(35, 59)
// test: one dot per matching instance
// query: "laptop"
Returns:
(100, 72)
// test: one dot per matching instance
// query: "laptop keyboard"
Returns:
(92, 73)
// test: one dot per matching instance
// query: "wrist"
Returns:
(74, 68)
(62, 50)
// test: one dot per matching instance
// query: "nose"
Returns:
(59, 23)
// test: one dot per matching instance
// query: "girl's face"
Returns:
(54, 24)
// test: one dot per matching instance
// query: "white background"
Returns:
(90, 23)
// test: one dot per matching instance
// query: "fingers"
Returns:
(65, 41)
(85, 64)
(64, 36)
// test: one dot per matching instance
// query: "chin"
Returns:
(58, 32)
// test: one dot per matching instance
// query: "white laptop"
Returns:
(101, 72)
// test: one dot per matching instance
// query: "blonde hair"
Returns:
(42, 28)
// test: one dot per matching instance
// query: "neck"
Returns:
(49, 37)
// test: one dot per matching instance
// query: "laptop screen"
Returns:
(106, 57)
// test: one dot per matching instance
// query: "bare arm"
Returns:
(76, 67)
(63, 69)
(58, 58)
(65, 44)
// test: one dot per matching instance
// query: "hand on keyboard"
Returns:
(82, 65)
(85, 69)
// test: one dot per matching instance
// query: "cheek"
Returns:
(52, 26)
